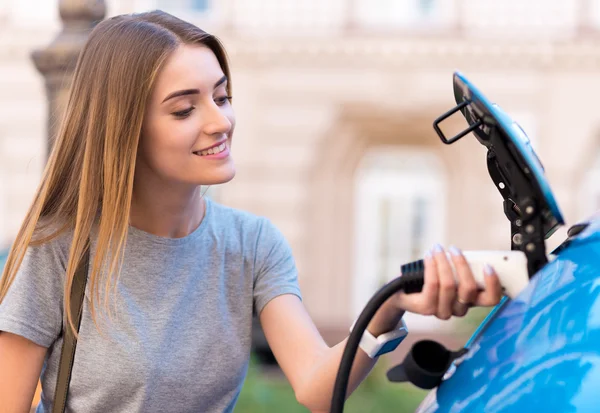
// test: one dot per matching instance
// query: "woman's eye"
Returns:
(184, 113)
(223, 100)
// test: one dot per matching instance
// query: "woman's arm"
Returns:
(307, 361)
(21, 362)
(311, 366)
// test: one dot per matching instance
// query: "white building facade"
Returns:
(335, 100)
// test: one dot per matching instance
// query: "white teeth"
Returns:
(215, 150)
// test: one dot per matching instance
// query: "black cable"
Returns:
(410, 282)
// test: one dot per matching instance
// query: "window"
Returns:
(413, 14)
(399, 204)
(203, 13)
(190, 10)
(199, 4)
(183, 5)
(515, 18)
(289, 17)
(401, 233)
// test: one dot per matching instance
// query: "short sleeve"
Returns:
(275, 268)
(33, 305)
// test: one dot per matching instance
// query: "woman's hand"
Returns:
(442, 296)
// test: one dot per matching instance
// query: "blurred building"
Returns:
(335, 101)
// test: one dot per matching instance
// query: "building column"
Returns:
(56, 62)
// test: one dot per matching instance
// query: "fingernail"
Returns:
(437, 248)
(488, 270)
(427, 255)
(454, 251)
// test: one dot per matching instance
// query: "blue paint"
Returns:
(539, 352)
(487, 319)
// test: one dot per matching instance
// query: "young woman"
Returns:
(174, 278)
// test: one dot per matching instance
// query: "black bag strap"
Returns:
(69, 344)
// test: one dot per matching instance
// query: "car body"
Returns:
(539, 352)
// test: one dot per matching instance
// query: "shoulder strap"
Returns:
(69, 341)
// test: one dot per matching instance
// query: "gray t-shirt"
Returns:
(181, 339)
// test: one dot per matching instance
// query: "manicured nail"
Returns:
(488, 270)
(454, 251)
(427, 255)
(437, 248)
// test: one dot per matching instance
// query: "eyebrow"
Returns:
(185, 92)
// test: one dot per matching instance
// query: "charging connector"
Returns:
(510, 266)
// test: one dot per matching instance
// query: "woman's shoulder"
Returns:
(257, 233)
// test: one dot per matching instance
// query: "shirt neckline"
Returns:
(141, 234)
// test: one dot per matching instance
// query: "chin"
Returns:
(217, 178)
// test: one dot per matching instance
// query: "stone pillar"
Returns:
(57, 61)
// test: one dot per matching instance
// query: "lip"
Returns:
(220, 155)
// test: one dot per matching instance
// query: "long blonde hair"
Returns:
(88, 179)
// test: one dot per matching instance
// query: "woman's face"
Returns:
(189, 122)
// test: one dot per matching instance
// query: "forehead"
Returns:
(190, 66)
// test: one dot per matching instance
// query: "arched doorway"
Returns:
(407, 143)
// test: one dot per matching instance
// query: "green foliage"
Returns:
(466, 326)
(270, 392)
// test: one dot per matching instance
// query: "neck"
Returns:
(169, 213)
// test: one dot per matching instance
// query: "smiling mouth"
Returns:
(213, 151)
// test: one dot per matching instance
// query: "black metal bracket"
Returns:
(514, 184)
(439, 119)
(527, 233)
(520, 207)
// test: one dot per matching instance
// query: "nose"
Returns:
(218, 121)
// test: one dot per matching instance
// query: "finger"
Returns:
(493, 290)
(430, 292)
(467, 287)
(459, 309)
(447, 289)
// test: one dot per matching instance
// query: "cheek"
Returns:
(170, 135)
(165, 142)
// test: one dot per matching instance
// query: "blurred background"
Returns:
(335, 101)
